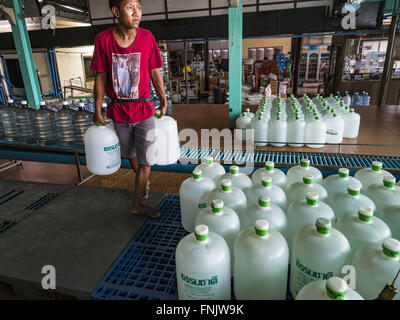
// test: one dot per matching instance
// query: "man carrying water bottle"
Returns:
(124, 58)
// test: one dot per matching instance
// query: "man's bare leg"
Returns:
(142, 178)
(135, 166)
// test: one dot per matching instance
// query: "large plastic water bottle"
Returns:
(319, 253)
(384, 195)
(296, 173)
(242, 124)
(296, 131)
(194, 193)
(351, 124)
(349, 202)
(102, 150)
(239, 180)
(334, 288)
(261, 263)
(266, 210)
(304, 213)
(261, 132)
(64, 125)
(334, 128)
(347, 99)
(267, 189)
(82, 120)
(232, 197)
(366, 100)
(203, 268)
(299, 190)
(316, 133)
(278, 177)
(9, 121)
(43, 125)
(277, 131)
(377, 265)
(166, 144)
(370, 176)
(212, 170)
(391, 216)
(24, 122)
(363, 228)
(338, 183)
(221, 220)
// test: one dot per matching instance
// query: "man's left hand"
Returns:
(163, 108)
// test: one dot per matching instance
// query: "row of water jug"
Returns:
(299, 230)
(355, 99)
(312, 122)
(48, 125)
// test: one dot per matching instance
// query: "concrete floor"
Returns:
(378, 126)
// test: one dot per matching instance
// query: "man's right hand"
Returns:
(98, 119)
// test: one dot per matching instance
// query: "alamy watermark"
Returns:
(49, 280)
(49, 17)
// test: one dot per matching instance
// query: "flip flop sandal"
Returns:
(146, 194)
(149, 214)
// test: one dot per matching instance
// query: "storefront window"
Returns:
(364, 59)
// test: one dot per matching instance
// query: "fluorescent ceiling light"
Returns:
(71, 8)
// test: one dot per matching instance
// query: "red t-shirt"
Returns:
(128, 73)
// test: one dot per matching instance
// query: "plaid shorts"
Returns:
(137, 140)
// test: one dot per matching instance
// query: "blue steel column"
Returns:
(25, 57)
(235, 62)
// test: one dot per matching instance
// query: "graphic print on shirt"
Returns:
(126, 75)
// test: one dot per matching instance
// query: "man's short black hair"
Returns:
(115, 3)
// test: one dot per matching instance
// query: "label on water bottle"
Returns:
(202, 205)
(305, 275)
(199, 289)
(332, 132)
(113, 155)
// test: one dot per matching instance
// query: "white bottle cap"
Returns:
(389, 181)
(65, 103)
(264, 201)
(209, 160)
(234, 169)
(42, 103)
(392, 244)
(269, 165)
(201, 232)
(312, 196)
(336, 288)
(366, 211)
(226, 183)
(353, 190)
(24, 102)
(10, 101)
(266, 181)
(344, 172)
(217, 204)
(323, 225)
(197, 173)
(261, 227)
(104, 105)
(377, 165)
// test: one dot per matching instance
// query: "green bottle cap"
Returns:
(365, 214)
(217, 206)
(201, 232)
(197, 174)
(261, 227)
(391, 247)
(305, 163)
(209, 160)
(308, 179)
(323, 225)
(266, 182)
(353, 190)
(312, 198)
(336, 288)
(389, 182)
(269, 165)
(264, 201)
(234, 169)
(226, 185)
(344, 173)
(376, 166)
